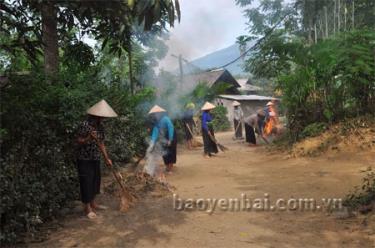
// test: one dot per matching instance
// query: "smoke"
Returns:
(206, 26)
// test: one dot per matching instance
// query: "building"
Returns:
(247, 88)
(212, 78)
(249, 103)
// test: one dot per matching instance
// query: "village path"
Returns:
(253, 171)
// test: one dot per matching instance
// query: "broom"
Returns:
(235, 130)
(221, 147)
(125, 198)
(194, 141)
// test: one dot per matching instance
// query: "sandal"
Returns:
(91, 215)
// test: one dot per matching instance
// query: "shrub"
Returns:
(313, 129)
(39, 122)
(220, 120)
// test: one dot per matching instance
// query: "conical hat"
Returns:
(235, 103)
(102, 109)
(208, 106)
(156, 109)
(269, 104)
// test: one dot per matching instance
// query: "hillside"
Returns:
(218, 59)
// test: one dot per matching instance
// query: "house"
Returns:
(212, 78)
(247, 88)
(249, 103)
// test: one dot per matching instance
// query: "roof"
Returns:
(210, 78)
(249, 98)
(246, 86)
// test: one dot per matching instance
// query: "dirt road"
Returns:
(253, 171)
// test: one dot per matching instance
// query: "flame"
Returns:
(272, 122)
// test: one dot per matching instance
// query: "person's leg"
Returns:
(95, 184)
(86, 176)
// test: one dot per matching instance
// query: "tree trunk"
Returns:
(326, 21)
(353, 14)
(338, 16)
(334, 17)
(50, 41)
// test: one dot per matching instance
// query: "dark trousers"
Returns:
(89, 179)
(250, 134)
(209, 145)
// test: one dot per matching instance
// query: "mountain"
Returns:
(217, 59)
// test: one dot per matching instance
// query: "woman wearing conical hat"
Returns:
(189, 124)
(208, 131)
(90, 139)
(164, 135)
(237, 119)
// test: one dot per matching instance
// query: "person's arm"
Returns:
(154, 134)
(170, 130)
(83, 140)
(83, 135)
(204, 122)
(102, 149)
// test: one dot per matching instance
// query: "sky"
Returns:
(206, 26)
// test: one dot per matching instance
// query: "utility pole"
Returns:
(181, 69)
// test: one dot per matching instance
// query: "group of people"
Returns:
(163, 141)
(262, 122)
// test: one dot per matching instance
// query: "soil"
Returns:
(351, 136)
(153, 222)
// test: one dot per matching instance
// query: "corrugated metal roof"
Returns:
(249, 98)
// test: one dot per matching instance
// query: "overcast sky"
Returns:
(206, 26)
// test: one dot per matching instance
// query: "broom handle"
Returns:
(189, 130)
(238, 125)
(104, 152)
(212, 137)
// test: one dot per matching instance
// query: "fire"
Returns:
(271, 123)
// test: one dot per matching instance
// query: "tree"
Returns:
(109, 21)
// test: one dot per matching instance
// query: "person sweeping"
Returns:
(207, 131)
(189, 124)
(90, 140)
(237, 119)
(163, 136)
(252, 123)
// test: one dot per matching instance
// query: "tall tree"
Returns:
(109, 21)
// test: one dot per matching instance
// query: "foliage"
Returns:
(313, 129)
(362, 195)
(220, 120)
(324, 72)
(108, 21)
(37, 158)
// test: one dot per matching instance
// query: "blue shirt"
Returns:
(206, 117)
(165, 124)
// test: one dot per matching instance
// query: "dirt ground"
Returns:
(253, 171)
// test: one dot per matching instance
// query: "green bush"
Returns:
(39, 122)
(220, 120)
(313, 129)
